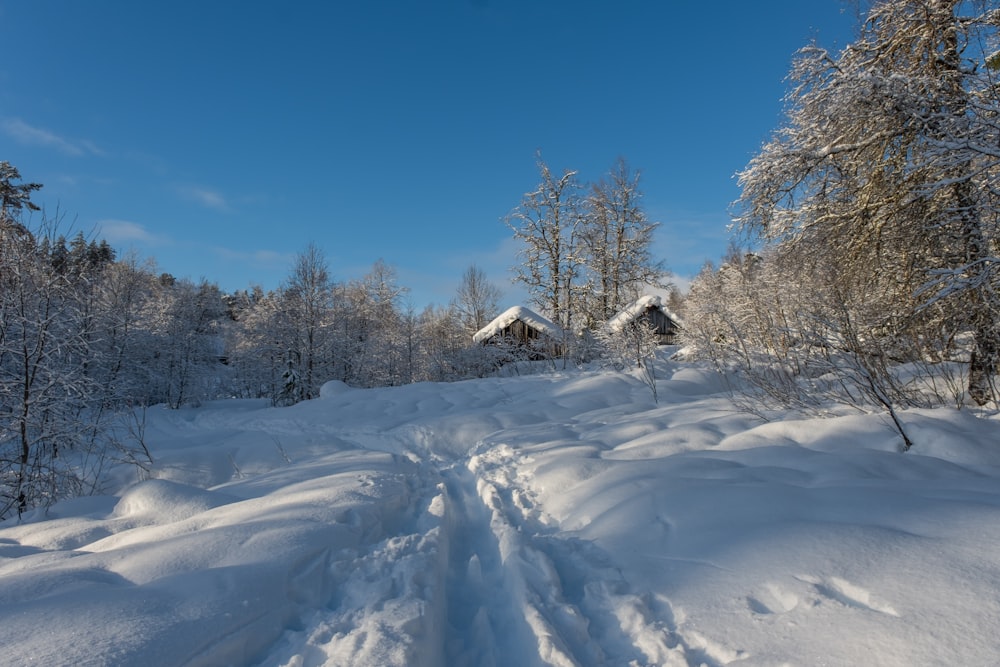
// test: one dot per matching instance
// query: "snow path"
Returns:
(513, 593)
(485, 627)
(582, 608)
(543, 521)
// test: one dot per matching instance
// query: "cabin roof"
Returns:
(511, 315)
(636, 309)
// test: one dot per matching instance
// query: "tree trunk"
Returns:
(983, 364)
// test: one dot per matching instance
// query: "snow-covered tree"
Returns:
(548, 224)
(14, 198)
(290, 389)
(59, 392)
(256, 343)
(885, 173)
(42, 379)
(183, 347)
(585, 256)
(616, 246)
(385, 335)
(306, 303)
(444, 343)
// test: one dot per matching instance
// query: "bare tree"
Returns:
(477, 300)
(633, 342)
(41, 344)
(548, 223)
(616, 247)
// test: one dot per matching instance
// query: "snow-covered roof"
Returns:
(511, 315)
(636, 309)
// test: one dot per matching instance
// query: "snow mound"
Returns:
(167, 501)
(332, 388)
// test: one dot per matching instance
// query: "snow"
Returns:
(513, 314)
(559, 519)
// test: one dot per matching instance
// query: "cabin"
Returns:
(522, 328)
(649, 311)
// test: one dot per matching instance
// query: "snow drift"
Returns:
(541, 520)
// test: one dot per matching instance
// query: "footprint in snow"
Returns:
(848, 594)
(773, 599)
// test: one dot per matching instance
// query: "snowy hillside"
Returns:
(538, 520)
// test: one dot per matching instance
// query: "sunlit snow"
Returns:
(561, 518)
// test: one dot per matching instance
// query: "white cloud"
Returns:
(206, 197)
(30, 135)
(123, 231)
(91, 147)
(263, 258)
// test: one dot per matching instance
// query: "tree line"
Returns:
(88, 339)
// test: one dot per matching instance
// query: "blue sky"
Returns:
(220, 138)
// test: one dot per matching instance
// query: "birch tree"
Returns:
(887, 166)
(617, 242)
(548, 223)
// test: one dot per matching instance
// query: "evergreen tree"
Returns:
(14, 197)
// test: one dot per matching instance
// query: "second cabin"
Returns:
(648, 311)
(521, 328)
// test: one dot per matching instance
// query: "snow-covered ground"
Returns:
(557, 519)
